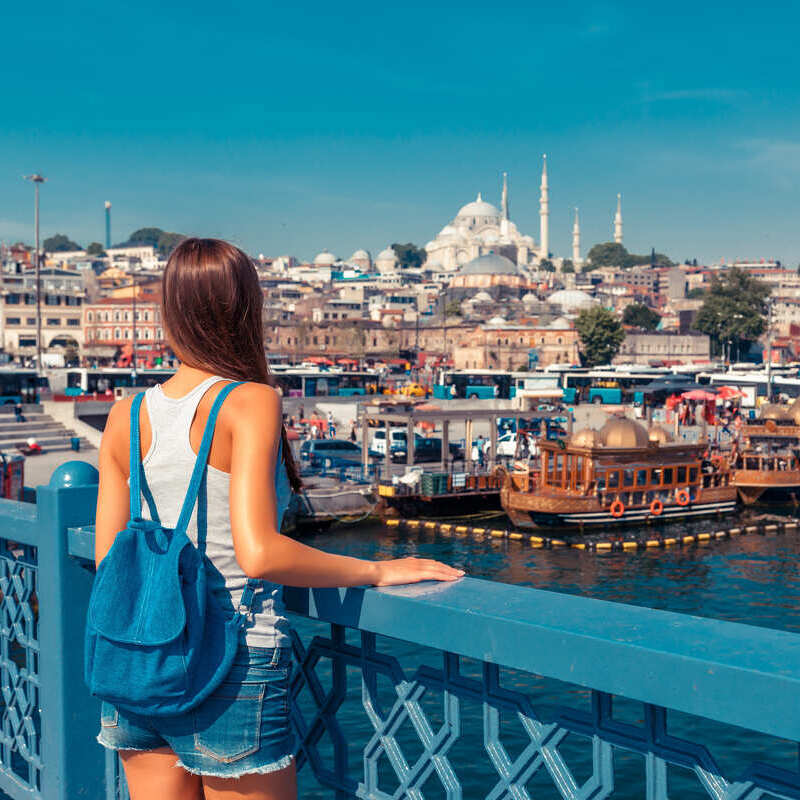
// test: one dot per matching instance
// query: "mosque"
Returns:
(481, 229)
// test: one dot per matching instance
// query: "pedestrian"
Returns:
(238, 741)
(481, 453)
(331, 425)
(353, 436)
(19, 416)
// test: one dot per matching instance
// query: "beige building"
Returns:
(664, 348)
(500, 345)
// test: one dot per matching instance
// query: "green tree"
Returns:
(546, 265)
(601, 335)
(613, 254)
(163, 241)
(608, 254)
(696, 293)
(734, 310)
(95, 249)
(567, 266)
(409, 255)
(639, 315)
(453, 309)
(60, 244)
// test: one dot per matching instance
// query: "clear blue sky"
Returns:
(296, 126)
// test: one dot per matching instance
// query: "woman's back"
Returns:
(167, 465)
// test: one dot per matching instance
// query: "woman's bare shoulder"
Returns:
(254, 402)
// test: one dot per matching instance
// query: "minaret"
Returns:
(108, 224)
(618, 221)
(544, 214)
(505, 195)
(576, 240)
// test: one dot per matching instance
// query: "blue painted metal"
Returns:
(730, 673)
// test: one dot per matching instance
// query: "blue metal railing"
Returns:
(466, 642)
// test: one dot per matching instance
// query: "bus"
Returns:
(20, 385)
(606, 385)
(103, 380)
(476, 384)
(316, 382)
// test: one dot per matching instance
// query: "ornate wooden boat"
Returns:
(766, 461)
(617, 475)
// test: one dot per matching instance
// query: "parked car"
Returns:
(328, 452)
(414, 390)
(507, 445)
(377, 447)
(426, 449)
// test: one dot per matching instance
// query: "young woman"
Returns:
(237, 743)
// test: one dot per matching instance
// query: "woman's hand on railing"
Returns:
(412, 570)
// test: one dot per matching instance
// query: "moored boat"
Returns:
(621, 474)
(766, 462)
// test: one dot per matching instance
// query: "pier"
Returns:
(635, 672)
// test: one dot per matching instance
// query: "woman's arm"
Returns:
(113, 504)
(254, 411)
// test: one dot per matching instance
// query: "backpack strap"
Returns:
(202, 459)
(136, 478)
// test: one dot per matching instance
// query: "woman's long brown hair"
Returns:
(212, 310)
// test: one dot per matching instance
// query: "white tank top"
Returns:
(167, 467)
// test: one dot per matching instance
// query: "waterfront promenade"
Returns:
(375, 721)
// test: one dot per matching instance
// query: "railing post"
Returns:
(74, 766)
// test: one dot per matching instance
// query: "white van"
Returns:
(378, 444)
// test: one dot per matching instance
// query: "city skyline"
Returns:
(311, 132)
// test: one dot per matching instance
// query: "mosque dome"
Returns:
(586, 438)
(622, 432)
(571, 299)
(448, 230)
(559, 324)
(490, 237)
(490, 264)
(529, 297)
(325, 259)
(479, 208)
(658, 435)
(483, 297)
(360, 255)
(497, 321)
(387, 255)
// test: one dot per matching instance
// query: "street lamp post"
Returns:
(37, 179)
(133, 330)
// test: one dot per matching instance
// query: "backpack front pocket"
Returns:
(228, 723)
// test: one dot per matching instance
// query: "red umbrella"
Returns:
(729, 392)
(698, 394)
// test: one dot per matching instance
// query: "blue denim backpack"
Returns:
(157, 641)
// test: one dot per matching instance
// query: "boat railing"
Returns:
(426, 690)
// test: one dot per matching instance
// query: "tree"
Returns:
(613, 254)
(608, 254)
(95, 249)
(639, 315)
(409, 255)
(546, 265)
(696, 293)
(163, 241)
(601, 335)
(60, 244)
(567, 266)
(453, 309)
(734, 310)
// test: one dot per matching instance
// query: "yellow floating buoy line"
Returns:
(771, 528)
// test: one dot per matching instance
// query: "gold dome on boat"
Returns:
(774, 411)
(587, 437)
(793, 412)
(623, 433)
(658, 435)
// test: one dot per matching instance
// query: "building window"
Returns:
(53, 321)
(116, 316)
(117, 333)
(13, 320)
(12, 299)
(73, 322)
(30, 300)
(30, 320)
(89, 316)
(52, 300)
(27, 342)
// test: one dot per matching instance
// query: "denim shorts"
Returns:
(242, 728)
